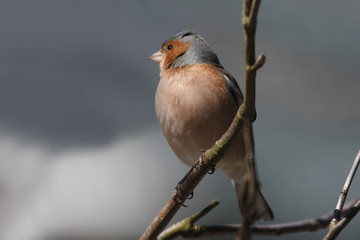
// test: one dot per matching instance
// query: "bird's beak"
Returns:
(157, 57)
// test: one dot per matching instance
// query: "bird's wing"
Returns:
(232, 84)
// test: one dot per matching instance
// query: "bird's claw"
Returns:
(212, 170)
(177, 198)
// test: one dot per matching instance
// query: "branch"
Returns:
(249, 20)
(335, 230)
(337, 224)
(345, 189)
(208, 159)
(309, 225)
(260, 61)
(186, 225)
(250, 12)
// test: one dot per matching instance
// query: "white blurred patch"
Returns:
(84, 192)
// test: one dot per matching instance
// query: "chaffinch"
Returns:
(196, 101)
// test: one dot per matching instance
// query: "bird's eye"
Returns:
(169, 47)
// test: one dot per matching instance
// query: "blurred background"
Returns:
(82, 155)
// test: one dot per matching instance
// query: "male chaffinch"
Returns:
(196, 101)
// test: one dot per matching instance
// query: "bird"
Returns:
(195, 102)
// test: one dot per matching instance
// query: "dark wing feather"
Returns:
(232, 84)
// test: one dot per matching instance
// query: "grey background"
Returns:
(82, 155)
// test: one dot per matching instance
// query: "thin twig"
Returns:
(335, 230)
(260, 61)
(205, 211)
(337, 224)
(186, 225)
(306, 225)
(249, 20)
(250, 12)
(345, 189)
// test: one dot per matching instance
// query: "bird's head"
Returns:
(184, 48)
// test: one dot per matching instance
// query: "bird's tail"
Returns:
(255, 206)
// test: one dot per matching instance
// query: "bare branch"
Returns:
(260, 61)
(186, 225)
(249, 16)
(335, 230)
(306, 225)
(345, 189)
(337, 224)
(254, 11)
